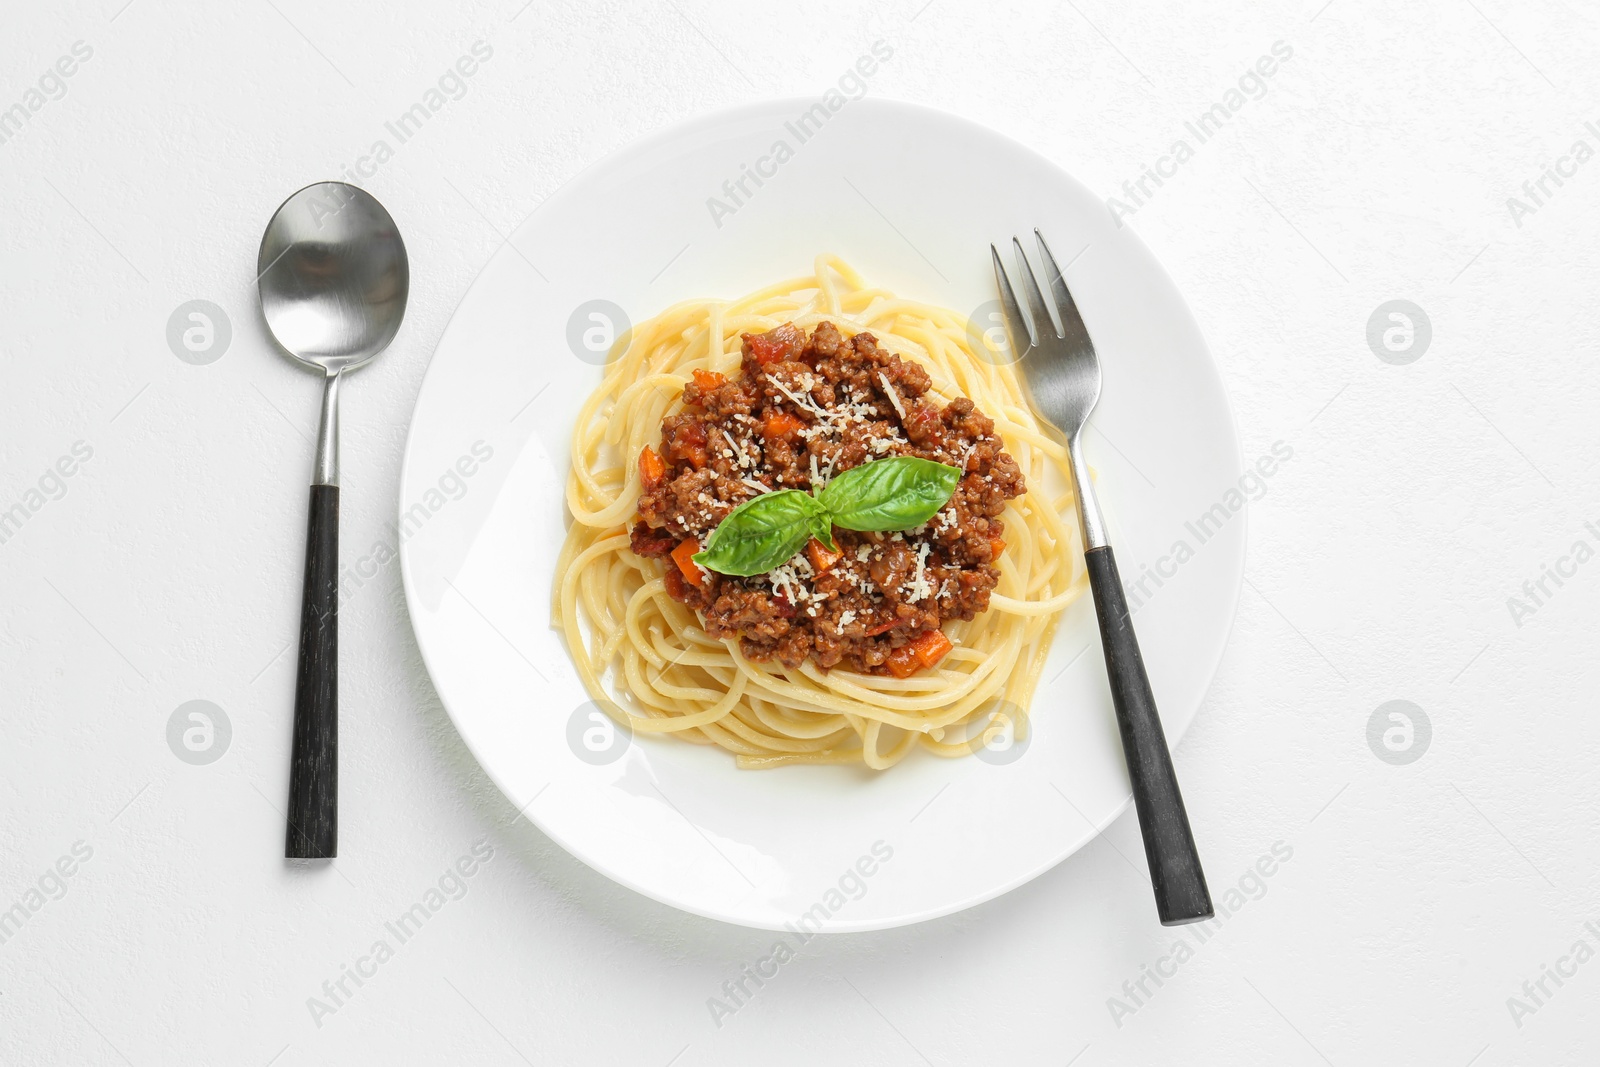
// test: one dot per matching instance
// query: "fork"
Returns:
(1062, 376)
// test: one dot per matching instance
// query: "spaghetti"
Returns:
(646, 658)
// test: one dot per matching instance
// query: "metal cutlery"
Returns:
(334, 278)
(1061, 372)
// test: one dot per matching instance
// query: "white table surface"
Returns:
(1375, 165)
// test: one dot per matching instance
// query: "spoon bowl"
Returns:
(333, 276)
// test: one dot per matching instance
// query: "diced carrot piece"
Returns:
(780, 343)
(997, 545)
(690, 444)
(822, 557)
(651, 468)
(683, 557)
(708, 380)
(903, 662)
(780, 424)
(931, 647)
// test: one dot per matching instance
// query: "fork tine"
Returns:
(1043, 326)
(1017, 324)
(1071, 322)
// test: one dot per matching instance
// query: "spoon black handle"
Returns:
(1180, 884)
(313, 831)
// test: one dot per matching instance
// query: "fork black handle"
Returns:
(313, 830)
(1180, 884)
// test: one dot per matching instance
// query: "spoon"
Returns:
(333, 278)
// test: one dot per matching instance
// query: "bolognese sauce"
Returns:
(802, 410)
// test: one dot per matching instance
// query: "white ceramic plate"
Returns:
(911, 197)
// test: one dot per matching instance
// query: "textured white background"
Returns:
(1377, 166)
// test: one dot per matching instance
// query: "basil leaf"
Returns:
(885, 494)
(761, 534)
(889, 494)
(822, 529)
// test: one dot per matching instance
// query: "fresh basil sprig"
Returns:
(760, 534)
(889, 494)
(886, 494)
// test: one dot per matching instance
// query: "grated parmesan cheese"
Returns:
(920, 588)
(802, 401)
(894, 397)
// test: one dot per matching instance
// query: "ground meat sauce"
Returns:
(802, 410)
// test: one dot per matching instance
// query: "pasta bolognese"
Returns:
(817, 524)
